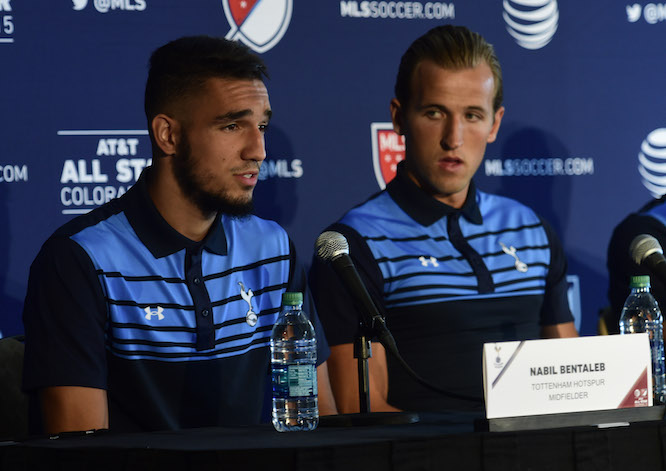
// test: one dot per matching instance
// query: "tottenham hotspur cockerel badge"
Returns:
(250, 316)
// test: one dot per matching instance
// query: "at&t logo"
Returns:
(532, 23)
(652, 12)
(259, 24)
(652, 162)
(103, 6)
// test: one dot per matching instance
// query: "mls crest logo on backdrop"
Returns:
(259, 24)
(388, 148)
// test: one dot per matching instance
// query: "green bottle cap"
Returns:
(642, 281)
(292, 299)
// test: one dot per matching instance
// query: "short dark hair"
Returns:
(450, 47)
(180, 68)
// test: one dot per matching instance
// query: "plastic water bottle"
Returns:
(294, 371)
(641, 314)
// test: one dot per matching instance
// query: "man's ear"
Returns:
(166, 132)
(396, 116)
(496, 125)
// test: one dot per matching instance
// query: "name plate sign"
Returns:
(553, 376)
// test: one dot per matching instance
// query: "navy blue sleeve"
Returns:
(64, 316)
(298, 282)
(338, 311)
(555, 309)
(621, 266)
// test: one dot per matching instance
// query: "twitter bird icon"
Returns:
(633, 12)
(79, 4)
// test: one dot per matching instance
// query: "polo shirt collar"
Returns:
(425, 209)
(156, 234)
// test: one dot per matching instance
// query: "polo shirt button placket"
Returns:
(205, 329)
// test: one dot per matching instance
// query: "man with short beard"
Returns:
(154, 311)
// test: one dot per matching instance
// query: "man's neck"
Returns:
(176, 209)
(455, 200)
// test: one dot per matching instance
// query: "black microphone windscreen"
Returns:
(642, 247)
(331, 244)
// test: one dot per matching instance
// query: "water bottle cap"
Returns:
(642, 281)
(292, 299)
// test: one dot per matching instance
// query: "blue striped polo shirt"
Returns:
(447, 281)
(176, 331)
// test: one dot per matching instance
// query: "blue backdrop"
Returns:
(581, 141)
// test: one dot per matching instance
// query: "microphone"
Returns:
(646, 251)
(333, 247)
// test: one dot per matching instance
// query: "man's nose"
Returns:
(255, 146)
(453, 133)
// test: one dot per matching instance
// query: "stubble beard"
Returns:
(192, 186)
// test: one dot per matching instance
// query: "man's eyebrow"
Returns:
(234, 115)
(445, 109)
(477, 108)
(432, 105)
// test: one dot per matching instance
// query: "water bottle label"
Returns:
(657, 352)
(302, 380)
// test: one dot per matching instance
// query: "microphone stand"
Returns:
(362, 352)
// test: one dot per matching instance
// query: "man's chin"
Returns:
(236, 209)
(239, 211)
(233, 207)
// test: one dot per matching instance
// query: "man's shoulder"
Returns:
(655, 209)
(256, 235)
(378, 207)
(650, 219)
(504, 208)
(90, 219)
(252, 223)
(67, 233)
(64, 246)
(499, 202)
